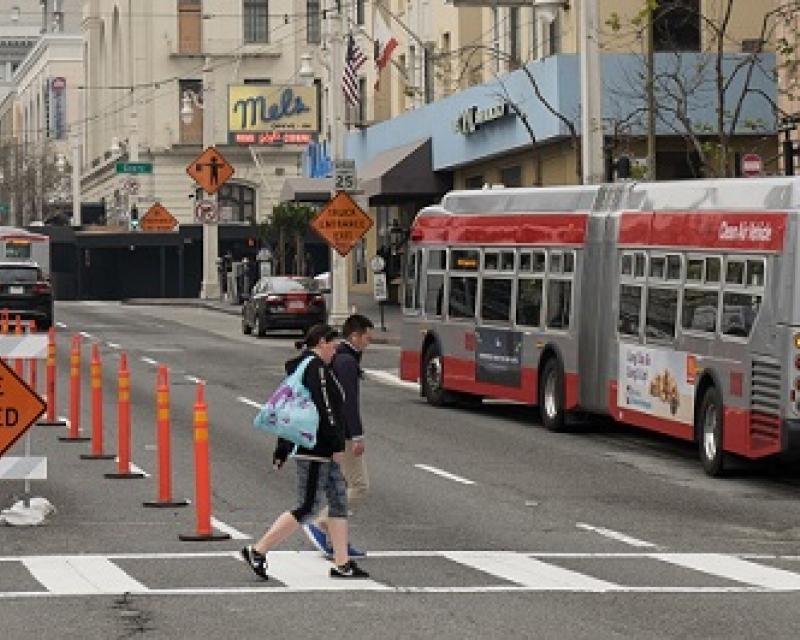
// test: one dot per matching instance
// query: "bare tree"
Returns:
(31, 182)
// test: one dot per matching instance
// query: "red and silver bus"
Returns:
(670, 306)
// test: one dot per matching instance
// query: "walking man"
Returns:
(357, 334)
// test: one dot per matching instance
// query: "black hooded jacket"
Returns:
(328, 398)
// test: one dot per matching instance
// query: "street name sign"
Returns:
(341, 223)
(158, 218)
(210, 170)
(20, 407)
(135, 167)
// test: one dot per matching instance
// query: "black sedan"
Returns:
(25, 292)
(283, 302)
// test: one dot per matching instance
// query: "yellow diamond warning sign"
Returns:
(19, 407)
(341, 223)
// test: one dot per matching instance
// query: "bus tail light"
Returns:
(797, 340)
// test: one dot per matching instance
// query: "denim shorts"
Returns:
(315, 478)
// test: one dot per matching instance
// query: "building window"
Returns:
(256, 21)
(447, 67)
(511, 176)
(360, 12)
(553, 44)
(474, 182)
(360, 262)
(361, 114)
(189, 26)
(676, 26)
(258, 81)
(313, 22)
(513, 37)
(191, 133)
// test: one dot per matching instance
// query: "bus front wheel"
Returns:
(433, 377)
(551, 396)
(709, 432)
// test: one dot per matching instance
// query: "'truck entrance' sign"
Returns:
(341, 223)
(20, 407)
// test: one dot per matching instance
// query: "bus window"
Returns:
(657, 267)
(529, 302)
(539, 261)
(626, 264)
(525, 262)
(739, 311)
(713, 269)
(569, 262)
(639, 265)
(507, 261)
(662, 310)
(462, 296)
(700, 310)
(673, 267)
(437, 260)
(411, 281)
(496, 299)
(18, 250)
(556, 262)
(559, 302)
(694, 270)
(434, 294)
(491, 260)
(464, 259)
(734, 272)
(630, 309)
(755, 273)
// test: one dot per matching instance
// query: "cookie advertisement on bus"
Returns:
(656, 382)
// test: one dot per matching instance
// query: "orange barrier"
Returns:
(96, 378)
(19, 363)
(202, 473)
(51, 382)
(74, 393)
(32, 369)
(164, 453)
(124, 424)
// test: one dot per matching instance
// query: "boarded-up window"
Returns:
(189, 26)
(191, 133)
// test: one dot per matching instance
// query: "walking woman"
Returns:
(318, 470)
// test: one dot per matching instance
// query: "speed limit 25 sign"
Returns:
(344, 175)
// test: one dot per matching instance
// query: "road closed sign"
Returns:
(341, 223)
(20, 407)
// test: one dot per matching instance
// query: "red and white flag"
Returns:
(385, 42)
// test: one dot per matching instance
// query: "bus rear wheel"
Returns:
(551, 396)
(433, 377)
(709, 432)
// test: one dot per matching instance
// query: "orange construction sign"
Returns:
(158, 218)
(210, 170)
(341, 223)
(20, 407)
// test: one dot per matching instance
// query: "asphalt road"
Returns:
(479, 524)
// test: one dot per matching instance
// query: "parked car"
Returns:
(283, 302)
(25, 292)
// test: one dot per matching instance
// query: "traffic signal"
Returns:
(789, 154)
(134, 218)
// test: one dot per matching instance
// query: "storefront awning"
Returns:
(402, 174)
(298, 189)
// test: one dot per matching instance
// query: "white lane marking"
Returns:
(61, 325)
(135, 469)
(387, 377)
(86, 335)
(114, 345)
(734, 569)
(249, 402)
(148, 360)
(192, 379)
(81, 575)
(616, 535)
(443, 474)
(219, 525)
(529, 572)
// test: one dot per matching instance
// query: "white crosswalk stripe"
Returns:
(307, 571)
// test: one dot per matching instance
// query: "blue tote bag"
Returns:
(290, 412)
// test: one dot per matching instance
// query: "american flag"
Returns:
(353, 61)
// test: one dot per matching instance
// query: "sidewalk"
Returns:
(361, 303)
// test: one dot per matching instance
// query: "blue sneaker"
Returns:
(318, 538)
(355, 553)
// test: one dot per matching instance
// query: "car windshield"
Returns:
(292, 285)
(15, 275)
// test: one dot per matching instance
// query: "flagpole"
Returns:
(339, 297)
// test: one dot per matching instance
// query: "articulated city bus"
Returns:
(671, 306)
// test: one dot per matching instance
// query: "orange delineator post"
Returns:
(164, 454)
(202, 473)
(32, 368)
(124, 423)
(19, 363)
(96, 379)
(74, 393)
(51, 381)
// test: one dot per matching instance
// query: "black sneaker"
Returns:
(256, 560)
(348, 570)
